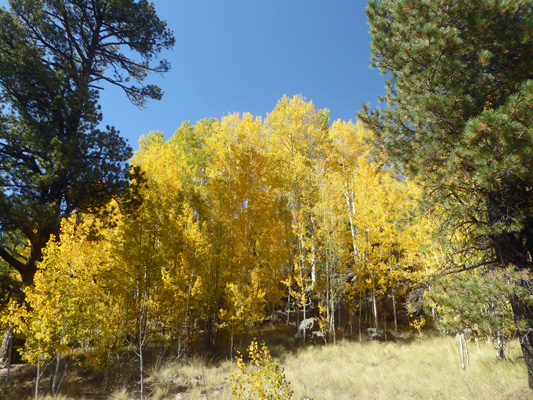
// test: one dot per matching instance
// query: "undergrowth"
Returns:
(348, 370)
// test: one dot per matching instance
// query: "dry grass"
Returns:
(368, 370)
(190, 379)
(430, 370)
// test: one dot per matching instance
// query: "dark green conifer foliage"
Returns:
(54, 160)
(478, 303)
(458, 114)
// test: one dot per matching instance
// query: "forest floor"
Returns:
(416, 369)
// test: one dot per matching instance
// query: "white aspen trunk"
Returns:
(332, 322)
(360, 316)
(374, 305)
(333, 290)
(313, 265)
(313, 254)
(394, 313)
(500, 352)
(143, 326)
(4, 348)
(304, 301)
(38, 377)
(467, 353)
(9, 335)
(328, 291)
(141, 366)
(349, 196)
(461, 338)
(302, 280)
(54, 390)
(329, 288)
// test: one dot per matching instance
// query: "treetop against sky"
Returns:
(242, 56)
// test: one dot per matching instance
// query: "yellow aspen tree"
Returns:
(245, 220)
(295, 132)
(169, 233)
(158, 244)
(71, 301)
(199, 294)
(347, 152)
(384, 254)
(333, 249)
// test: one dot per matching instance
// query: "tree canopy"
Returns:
(458, 116)
(55, 57)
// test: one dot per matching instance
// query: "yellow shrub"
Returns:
(262, 379)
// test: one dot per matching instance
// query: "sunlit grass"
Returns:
(427, 370)
(348, 370)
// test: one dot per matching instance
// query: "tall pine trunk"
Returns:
(513, 251)
(524, 312)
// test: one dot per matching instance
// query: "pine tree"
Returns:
(458, 115)
(54, 159)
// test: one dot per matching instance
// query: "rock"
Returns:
(380, 335)
(312, 330)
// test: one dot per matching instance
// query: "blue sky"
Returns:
(244, 55)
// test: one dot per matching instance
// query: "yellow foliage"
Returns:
(70, 302)
(262, 379)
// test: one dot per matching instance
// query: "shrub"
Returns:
(262, 379)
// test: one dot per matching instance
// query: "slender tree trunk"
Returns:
(302, 280)
(313, 264)
(142, 340)
(467, 353)
(185, 330)
(106, 370)
(231, 344)
(9, 335)
(350, 322)
(374, 305)
(332, 322)
(500, 350)
(304, 301)
(5, 353)
(360, 316)
(54, 389)
(460, 339)
(289, 307)
(328, 291)
(38, 378)
(39, 373)
(394, 313)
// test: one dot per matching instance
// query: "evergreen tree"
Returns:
(54, 160)
(476, 302)
(458, 114)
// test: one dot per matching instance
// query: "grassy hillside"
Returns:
(349, 370)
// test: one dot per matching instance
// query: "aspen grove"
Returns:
(241, 220)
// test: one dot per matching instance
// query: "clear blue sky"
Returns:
(244, 55)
